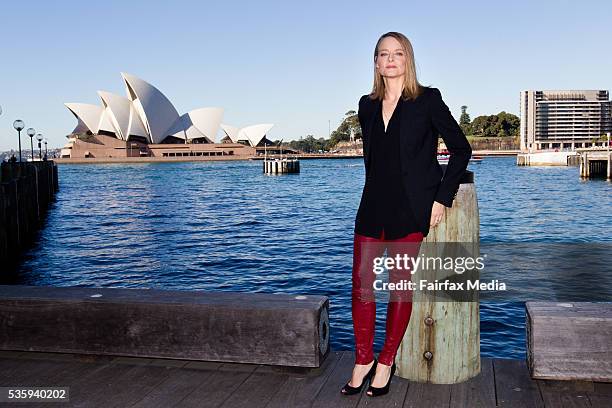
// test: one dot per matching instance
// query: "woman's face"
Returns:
(391, 58)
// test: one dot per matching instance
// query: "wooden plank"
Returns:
(301, 391)
(134, 361)
(9, 354)
(94, 359)
(602, 388)
(514, 387)
(92, 389)
(230, 367)
(256, 328)
(329, 395)
(427, 395)
(7, 365)
(152, 383)
(27, 372)
(128, 388)
(166, 362)
(127, 385)
(48, 370)
(565, 393)
(218, 386)
(65, 375)
(600, 401)
(179, 384)
(30, 356)
(256, 391)
(38, 365)
(211, 365)
(476, 392)
(601, 395)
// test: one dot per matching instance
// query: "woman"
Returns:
(404, 195)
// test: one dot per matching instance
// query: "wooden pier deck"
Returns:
(137, 382)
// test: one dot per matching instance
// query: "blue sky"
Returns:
(295, 64)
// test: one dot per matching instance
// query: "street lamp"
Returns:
(19, 125)
(46, 151)
(39, 137)
(31, 132)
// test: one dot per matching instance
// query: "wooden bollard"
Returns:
(442, 342)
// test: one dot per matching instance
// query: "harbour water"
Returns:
(226, 226)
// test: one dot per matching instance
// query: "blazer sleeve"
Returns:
(457, 145)
(361, 113)
(361, 116)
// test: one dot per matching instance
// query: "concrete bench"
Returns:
(260, 328)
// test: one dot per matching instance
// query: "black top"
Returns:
(384, 204)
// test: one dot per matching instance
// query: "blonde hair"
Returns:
(412, 88)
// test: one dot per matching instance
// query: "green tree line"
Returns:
(500, 125)
(310, 144)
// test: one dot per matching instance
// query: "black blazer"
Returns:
(421, 121)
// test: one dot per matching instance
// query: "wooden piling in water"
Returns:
(596, 163)
(281, 166)
(26, 189)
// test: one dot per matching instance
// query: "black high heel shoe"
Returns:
(377, 392)
(348, 390)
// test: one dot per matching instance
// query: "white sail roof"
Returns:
(156, 111)
(92, 116)
(252, 134)
(147, 113)
(199, 123)
(123, 115)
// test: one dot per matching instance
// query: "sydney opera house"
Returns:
(145, 124)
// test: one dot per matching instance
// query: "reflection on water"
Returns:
(226, 226)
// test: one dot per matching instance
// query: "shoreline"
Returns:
(106, 160)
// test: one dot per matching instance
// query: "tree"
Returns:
(308, 144)
(343, 132)
(501, 125)
(464, 120)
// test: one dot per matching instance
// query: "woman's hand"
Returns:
(437, 212)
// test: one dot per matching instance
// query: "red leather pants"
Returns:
(363, 303)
